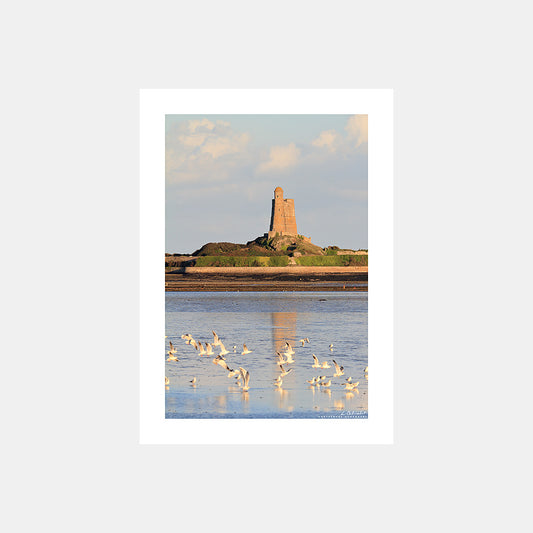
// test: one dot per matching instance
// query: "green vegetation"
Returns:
(241, 261)
(278, 261)
(274, 251)
(332, 260)
(331, 250)
(258, 248)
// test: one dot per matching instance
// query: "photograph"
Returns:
(266, 266)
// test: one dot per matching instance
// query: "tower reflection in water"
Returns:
(283, 330)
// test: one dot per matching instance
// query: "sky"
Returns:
(221, 172)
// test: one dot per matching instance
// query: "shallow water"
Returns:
(264, 321)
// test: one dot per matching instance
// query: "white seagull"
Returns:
(339, 370)
(223, 350)
(245, 350)
(283, 371)
(187, 337)
(221, 362)
(351, 386)
(201, 350)
(289, 350)
(245, 378)
(289, 357)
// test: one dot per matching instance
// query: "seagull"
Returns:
(233, 373)
(317, 364)
(284, 372)
(218, 360)
(167, 381)
(194, 343)
(331, 347)
(339, 370)
(245, 350)
(351, 386)
(223, 350)
(201, 348)
(188, 338)
(326, 383)
(172, 349)
(208, 349)
(278, 383)
(172, 357)
(289, 349)
(349, 380)
(245, 378)
(303, 341)
(281, 361)
(366, 370)
(216, 339)
(193, 381)
(289, 357)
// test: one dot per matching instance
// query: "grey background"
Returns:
(461, 458)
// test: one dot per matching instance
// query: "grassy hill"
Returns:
(276, 251)
(287, 245)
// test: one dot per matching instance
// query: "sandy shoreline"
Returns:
(267, 279)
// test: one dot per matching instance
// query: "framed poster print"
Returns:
(271, 319)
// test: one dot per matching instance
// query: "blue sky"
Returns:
(221, 172)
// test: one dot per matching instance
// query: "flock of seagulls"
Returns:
(242, 375)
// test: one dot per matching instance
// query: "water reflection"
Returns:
(266, 322)
(283, 329)
(338, 404)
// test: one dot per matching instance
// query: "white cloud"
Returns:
(219, 146)
(201, 150)
(331, 142)
(196, 139)
(193, 125)
(281, 157)
(327, 139)
(357, 129)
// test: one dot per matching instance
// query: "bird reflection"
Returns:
(327, 391)
(338, 404)
(283, 396)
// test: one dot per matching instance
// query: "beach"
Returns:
(292, 278)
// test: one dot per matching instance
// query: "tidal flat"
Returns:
(336, 324)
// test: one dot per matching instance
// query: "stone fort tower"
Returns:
(282, 219)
